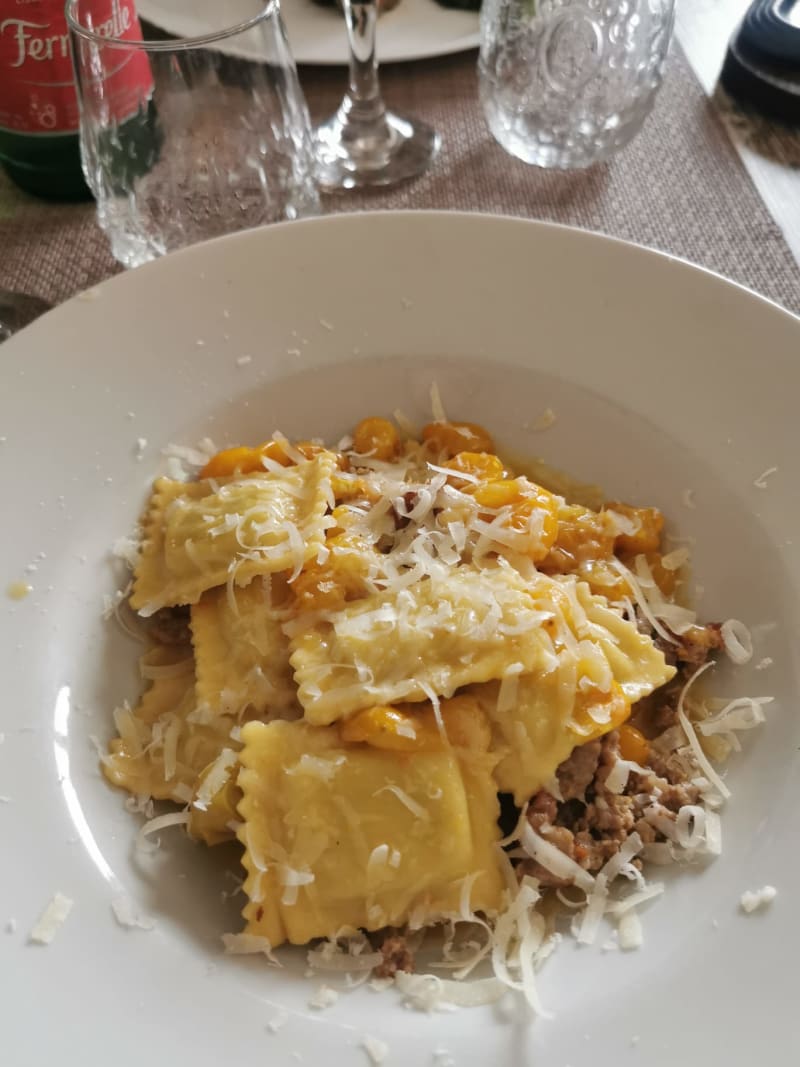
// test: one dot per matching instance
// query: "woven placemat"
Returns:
(679, 187)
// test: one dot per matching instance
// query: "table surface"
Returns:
(701, 181)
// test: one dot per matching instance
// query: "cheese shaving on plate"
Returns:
(629, 930)
(127, 914)
(737, 641)
(249, 945)
(325, 997)
(376, 1050)
(52, 918)
(760, 898)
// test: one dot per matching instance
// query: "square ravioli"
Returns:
(468, 625)
(162, 749)
(241, 651)
(203, 534)
(347, 836)
(594, 666)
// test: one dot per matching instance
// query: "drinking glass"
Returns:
(189, 138)
(565, 83)
(363, 144)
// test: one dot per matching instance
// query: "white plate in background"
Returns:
(415, 29)
(663, 378)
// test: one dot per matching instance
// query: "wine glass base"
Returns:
(348, 158)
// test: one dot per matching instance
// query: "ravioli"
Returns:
(469, 625)
(241, 652)
(596, 664)
(162, 749)
(384, 640)
(340, 836)
(203, 534)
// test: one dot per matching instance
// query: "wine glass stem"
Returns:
(363, 102)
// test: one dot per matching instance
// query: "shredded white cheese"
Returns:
(215, 778)
(161, 822)
(51, 919)
(248, 945)
(760, 898)
(737, 641)
(409, 802)
(324, 997)
(127, 914)
(278, 1021)
(691, 737)
(761, 481)
(553, 859)
(629, 930)
(428, 992)
(437, 408)
(376, 1050)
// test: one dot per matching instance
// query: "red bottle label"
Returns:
(37, 89)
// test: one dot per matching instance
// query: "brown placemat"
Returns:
(679, 187)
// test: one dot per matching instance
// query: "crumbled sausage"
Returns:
(591, 823)
(396, 957)
(170, 626)
(576, 773)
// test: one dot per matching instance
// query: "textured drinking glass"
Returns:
(190, 138)
(565, 83)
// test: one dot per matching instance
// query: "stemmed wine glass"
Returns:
(363, 144)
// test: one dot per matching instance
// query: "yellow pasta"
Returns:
(348, 836)
(161, 750)
(384, 643)
(204, 534)
(436, 635)
(595, 666)
(241, 651)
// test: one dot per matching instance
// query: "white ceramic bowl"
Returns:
(663, 378)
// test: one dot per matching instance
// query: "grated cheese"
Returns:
(553, 859)
(737, 641)
(127, 915)
(249, 945)
(325, 997)
(676, 559)
(409, 802)
(593, 912)
(742, 713)
(437, 408)
(51, 919)
(160, 822)
(760, 898)
(629, 930)
(278, 1021)
(691, 737)
(331, 956)
(518, 936)
(215, 778)
(761, 481)
(428, 992)
(376, 1050)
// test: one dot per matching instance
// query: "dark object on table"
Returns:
(461, 5)
(383, 5)
(762, 65)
